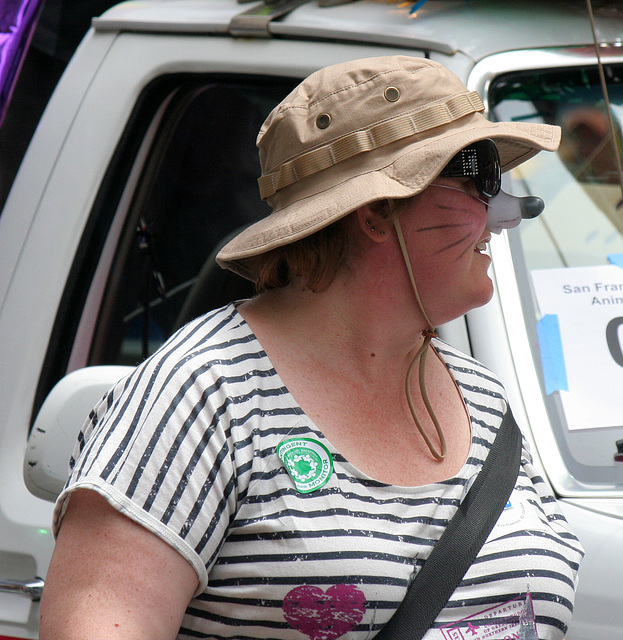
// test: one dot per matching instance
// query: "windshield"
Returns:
(570, 260)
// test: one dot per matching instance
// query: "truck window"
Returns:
(569, 260)
(184, 177)
(198, 186)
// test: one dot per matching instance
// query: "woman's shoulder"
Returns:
(209, 354)
(221, 335)
(218, 328)
(482, 390)
(464, 363)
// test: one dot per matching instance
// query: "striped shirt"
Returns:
(191, 446)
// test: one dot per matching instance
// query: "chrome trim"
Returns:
(28, 588)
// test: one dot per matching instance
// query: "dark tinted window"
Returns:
(198, 186)
(183, 177)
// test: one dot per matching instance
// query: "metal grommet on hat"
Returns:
(323, 120)
(392, 94)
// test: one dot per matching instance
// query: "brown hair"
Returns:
(315, 259)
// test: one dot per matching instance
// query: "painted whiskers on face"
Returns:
(465, 239)
(469, 225)
(449, 237)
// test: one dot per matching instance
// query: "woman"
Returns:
(276, 471)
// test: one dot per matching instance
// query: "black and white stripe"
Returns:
(186, 446)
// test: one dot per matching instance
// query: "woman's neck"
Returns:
(354, 323)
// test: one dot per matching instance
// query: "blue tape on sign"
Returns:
(417, 5)
(616, 259)
(552, 357)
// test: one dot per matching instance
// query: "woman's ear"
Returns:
(373, 224)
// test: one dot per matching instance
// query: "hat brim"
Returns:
(402, 170)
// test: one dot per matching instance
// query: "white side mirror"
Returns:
(54, 434)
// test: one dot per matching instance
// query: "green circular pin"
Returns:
(308, 462)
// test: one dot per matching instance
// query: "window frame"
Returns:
(515, 328)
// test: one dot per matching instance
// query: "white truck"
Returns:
(144, 161)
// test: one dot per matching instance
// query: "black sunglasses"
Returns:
(481, 162)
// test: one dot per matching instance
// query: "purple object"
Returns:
(17, 23)
(324, 615)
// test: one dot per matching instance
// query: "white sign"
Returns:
(581, 342)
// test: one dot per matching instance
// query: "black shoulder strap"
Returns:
(462, 539)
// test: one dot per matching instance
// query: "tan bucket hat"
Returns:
(362, 131)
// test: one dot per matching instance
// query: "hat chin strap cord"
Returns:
(420, 357)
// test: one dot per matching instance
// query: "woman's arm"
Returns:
(111, 578)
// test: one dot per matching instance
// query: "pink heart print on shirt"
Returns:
(324, 615)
